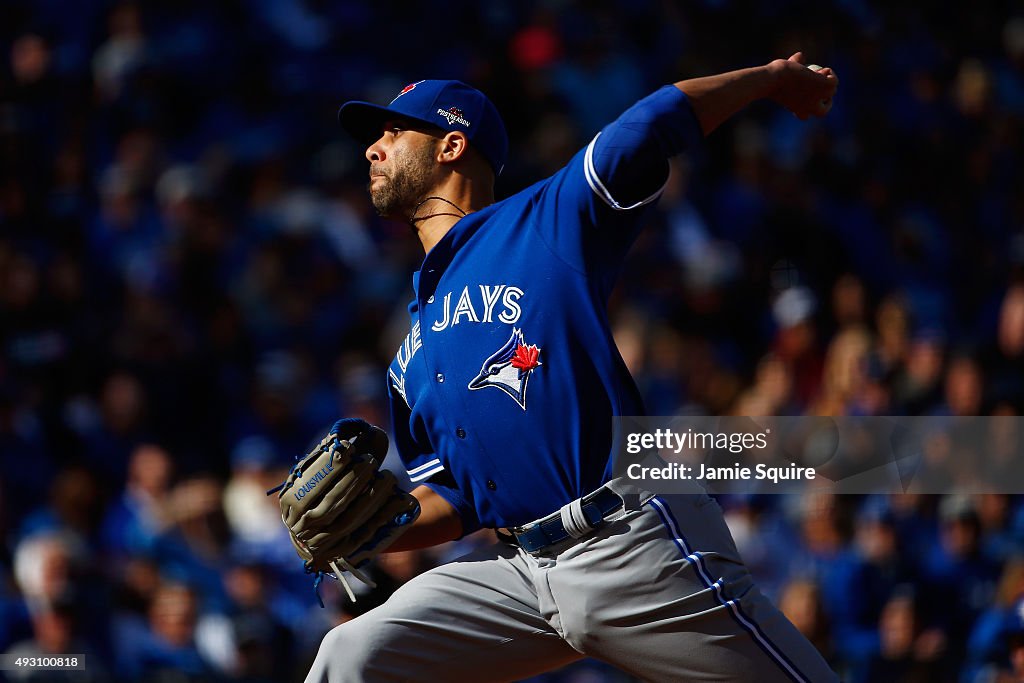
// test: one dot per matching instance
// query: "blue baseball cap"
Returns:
(448, 105)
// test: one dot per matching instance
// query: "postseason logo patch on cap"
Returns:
(453, 115)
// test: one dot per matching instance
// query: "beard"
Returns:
(407, 181)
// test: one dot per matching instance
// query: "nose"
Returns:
(375, 152)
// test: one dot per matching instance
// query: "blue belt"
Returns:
(550, 530)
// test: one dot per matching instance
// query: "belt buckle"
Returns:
(531, 537)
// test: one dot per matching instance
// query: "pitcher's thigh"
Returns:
(746, 640)
(669, 599)
(474, 619)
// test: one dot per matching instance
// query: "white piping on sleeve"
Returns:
(601, 191)
(425, 470)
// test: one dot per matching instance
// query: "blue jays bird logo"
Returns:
(509, 368)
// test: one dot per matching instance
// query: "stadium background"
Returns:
(192, 284)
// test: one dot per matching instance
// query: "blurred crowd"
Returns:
(193, 284)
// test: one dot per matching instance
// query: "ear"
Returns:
(453, 147)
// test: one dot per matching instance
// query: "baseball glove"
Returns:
(340, 509)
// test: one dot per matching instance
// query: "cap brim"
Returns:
(363, 120)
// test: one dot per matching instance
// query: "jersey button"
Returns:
(460, 432)
(439, 377)
(430, 300)
(491, 485)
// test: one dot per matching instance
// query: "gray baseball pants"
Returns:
(659, 591)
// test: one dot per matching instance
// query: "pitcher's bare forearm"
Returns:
(788, 82)
(438, 523)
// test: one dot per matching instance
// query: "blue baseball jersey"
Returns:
(503, 392)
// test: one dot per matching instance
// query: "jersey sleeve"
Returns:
(626, 164)
(442, 487)
(591, 210)
(425, 467)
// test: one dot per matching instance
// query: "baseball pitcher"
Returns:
(502, 398)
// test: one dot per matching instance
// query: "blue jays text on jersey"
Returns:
(503, 392)
(489, 297)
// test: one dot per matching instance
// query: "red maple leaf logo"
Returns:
(456, 111)
(526, 358)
